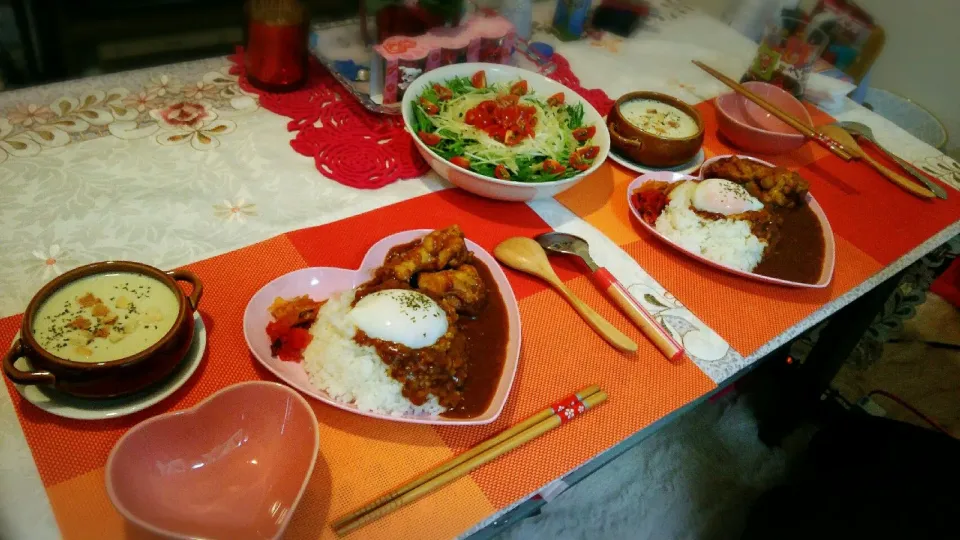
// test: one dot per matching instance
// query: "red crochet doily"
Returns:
(354, 146)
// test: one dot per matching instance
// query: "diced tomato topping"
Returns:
(552, 166)
(428, 106)
(589, 152)
(460, 161)
(556, 99)
(583, 134)
(501, 172)
(443, 93)
(479, 79)
(519, 88)
(429, 139)
(504, 119)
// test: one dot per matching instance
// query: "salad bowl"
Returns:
(495, 188)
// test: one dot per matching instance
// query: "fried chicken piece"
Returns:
(772, 185)
(784, 188)
(436, 251)
(462, 288)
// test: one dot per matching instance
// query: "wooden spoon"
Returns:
(526, 255)
(843, 137)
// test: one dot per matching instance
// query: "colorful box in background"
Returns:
(378, 54)
(481, 38)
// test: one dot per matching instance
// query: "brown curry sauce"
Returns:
(798, 254)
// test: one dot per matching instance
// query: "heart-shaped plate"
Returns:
(233, 466)
(829, 245)
(321, 282)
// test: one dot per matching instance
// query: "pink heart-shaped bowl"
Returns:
(321, 282)
(233, 466)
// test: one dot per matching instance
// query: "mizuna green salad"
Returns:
(503, 130)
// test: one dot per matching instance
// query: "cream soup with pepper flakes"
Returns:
(659, 118)
(105, 317)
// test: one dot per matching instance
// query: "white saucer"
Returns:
(683, 168)
(67, 406)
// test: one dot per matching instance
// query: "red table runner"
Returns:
(363, 457)
(874, 223)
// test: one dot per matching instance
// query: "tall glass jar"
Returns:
(276, 53)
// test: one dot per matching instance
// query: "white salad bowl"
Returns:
(493, 188)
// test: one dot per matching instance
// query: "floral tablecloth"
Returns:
(176, 164)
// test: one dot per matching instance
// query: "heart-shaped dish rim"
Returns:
(829, 244)
(255, 318)
(196, 409)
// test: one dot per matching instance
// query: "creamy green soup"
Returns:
(105, 317)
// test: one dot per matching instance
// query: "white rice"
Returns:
(725, 241)
(351, 373)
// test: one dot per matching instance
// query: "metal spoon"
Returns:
(863, 130)
(525, 255)
(569, 244)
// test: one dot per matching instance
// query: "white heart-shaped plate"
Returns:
(321, 282)
(829, 245)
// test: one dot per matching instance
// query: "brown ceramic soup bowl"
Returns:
(647, 148)
(111, 378)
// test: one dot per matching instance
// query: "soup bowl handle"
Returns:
(24, 377)
(612, 128)
(194, 281)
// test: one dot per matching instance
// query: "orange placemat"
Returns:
(362, 457)
(874, 224)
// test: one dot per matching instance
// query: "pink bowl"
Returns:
(233, 466)
(751, 128)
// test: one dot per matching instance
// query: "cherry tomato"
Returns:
(584, 133)
(501, 172)
(556, 99)
(479, 79)
(589, 152)
(577, 162)
(519, 88)
(511, 138)
(428, 106)
(429, 139)
(443, 93)
(460, 161)
(552, 166)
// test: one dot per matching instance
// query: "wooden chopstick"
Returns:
(447, 465)
(795, 123)
(463, 464)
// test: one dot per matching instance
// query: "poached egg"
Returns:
(720, 196)
(402, 316)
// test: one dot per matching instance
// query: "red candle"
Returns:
(276, 55)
